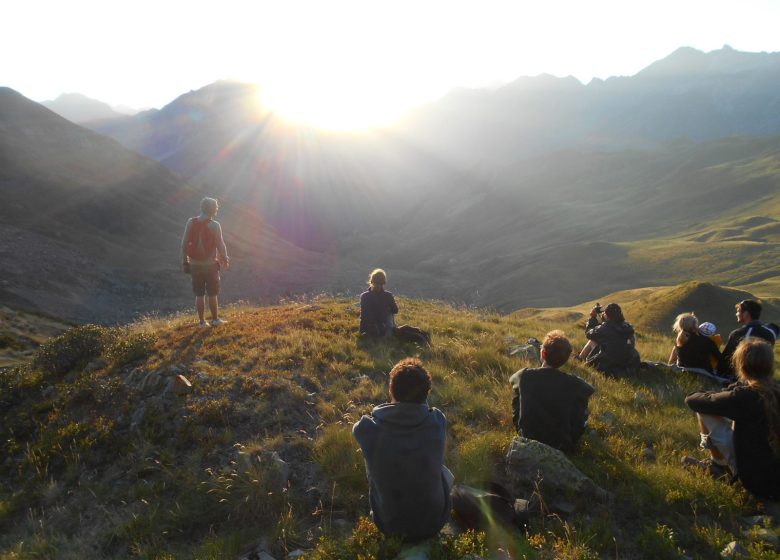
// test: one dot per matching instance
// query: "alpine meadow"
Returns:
(136, 425)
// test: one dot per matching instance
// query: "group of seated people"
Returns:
(403, 441)
(698, 345)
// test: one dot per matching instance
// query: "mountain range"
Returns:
(544, 192)
(79, 108)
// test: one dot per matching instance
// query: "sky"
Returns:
(351, 63)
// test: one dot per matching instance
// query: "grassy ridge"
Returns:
(93, 468)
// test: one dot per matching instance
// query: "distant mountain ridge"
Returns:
(689, 94)
(79, 108)
(530, 195)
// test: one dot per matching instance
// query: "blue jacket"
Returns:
(403, 446)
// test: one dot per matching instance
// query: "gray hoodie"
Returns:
(403, 446)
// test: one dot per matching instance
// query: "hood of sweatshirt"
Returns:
(403, 414)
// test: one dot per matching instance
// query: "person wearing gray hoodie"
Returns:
(403, 447)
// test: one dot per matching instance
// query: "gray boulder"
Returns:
(529, 462)
(275, 468)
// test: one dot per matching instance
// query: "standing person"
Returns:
(377, 307)
(748, 312)
(740, 425)
(403, 446)
(611, 346)
(692, 349)
(549, 405)
(203, 252)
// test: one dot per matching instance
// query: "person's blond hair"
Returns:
(209, 206)
(377, 278)
(685, 325)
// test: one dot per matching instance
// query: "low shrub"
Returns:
(129, 347)
(75, 347)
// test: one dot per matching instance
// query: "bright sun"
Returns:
(335, 104)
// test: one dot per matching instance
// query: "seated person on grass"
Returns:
(711, 331)
(740, 425)
(377, 307)
(692, 349)
(403, 446)
(611, 346)
(549, 405)
(747, 314)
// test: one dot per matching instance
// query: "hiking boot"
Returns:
(217, 322)
(203, 324)
(713, 469)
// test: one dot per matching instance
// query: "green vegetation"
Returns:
(96, 464)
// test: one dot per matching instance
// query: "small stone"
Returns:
(521, 506)
(297, 553)
(95, 365)
(765, 535)
(563, 508)
(734, 550)
(758, 521)
(414, 552)
(607, 418)
(181, 386)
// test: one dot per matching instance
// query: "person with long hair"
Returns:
(377, 307)
(740, 425)
(692, 349)
(611, 346)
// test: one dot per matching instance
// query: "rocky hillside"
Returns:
(162, 440)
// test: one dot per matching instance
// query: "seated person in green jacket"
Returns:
(740, 425)
(549, 405)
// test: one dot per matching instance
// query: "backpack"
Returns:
(201, 242)
(407, 333)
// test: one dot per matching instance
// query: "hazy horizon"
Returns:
(350, 63)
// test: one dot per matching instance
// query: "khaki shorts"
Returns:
(205, 279)
(721, 436)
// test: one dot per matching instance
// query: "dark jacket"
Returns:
(616, 352)
(753, 328)
(376, 312)
(403, 446)
(696, 352)
(550, 406)
(758, 468)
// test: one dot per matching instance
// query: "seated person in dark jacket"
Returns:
(403, 446)
(692, 349)
(611, 346)
(740, 425)
(377, 307)
(549, 405)
(748, 313)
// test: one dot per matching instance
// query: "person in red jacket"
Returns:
(203, 253)
(740, 425)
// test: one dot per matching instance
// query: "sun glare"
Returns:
(341, 106)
